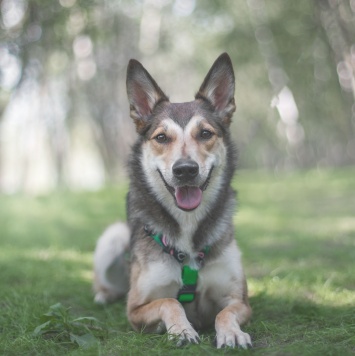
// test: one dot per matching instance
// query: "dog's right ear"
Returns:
(143, 93)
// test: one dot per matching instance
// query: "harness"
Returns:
(189, 275)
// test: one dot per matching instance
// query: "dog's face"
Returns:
(183, 143)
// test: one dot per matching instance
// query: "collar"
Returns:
(177, 254)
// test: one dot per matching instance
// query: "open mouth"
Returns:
(187, 197)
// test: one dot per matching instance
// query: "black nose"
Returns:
(185, 169)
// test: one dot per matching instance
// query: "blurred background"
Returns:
(64, 118)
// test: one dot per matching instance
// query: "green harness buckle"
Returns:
(189, 279)
(189, 276)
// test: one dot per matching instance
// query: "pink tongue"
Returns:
(188, 197)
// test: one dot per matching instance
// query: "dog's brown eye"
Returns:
(206, 135)
(161, 138)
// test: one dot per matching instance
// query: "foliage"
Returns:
(62, 78)
(296, 232)
(57, 323)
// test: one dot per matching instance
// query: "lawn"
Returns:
(296, 231)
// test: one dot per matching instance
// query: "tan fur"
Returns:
(161, 171)
(221, 291)
(221, 287)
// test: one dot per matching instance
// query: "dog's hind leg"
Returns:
(111, 264)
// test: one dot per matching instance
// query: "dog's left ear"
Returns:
(143, 93)
(218, 88)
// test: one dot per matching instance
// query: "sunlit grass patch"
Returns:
(296, 232)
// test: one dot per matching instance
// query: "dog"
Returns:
(184, 272)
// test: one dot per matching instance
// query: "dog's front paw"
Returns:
(183, 335)
(233, 337)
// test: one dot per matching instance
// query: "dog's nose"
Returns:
(185, 169)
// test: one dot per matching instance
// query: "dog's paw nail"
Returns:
(244, 346)
(197, 340)
(181, 343)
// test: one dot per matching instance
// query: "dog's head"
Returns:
(184, 146)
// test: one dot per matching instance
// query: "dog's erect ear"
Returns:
(218, 88)
(143, 94)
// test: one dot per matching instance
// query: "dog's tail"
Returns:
(111, 265)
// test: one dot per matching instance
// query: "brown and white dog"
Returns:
(185, 271)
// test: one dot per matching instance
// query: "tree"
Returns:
(294, 64)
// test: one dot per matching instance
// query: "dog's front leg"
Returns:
(228, 323)
(170, 312)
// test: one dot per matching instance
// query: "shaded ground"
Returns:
(297, 234)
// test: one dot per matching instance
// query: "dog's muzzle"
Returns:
(188, 197)
(187, 194)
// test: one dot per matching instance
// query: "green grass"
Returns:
(297, 234)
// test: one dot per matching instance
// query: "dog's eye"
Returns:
(205, 134)
(161, 138)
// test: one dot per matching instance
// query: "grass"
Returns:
(297, 234)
